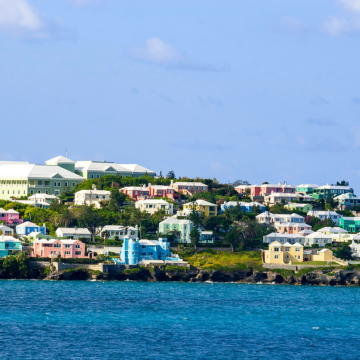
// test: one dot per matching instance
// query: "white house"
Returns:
(268, 218)
(283, 238)
(6, 230)
(153, 205)
(317, 238)
(333, 230)
(89, 197)
(120, 231)
(355, 249)
(74, 233)
(277, 198)
(323, 215)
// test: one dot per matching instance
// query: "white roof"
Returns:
(95, 192)
(27, 224)
(293, 195)
(243, 187)
(73, 231)
(42, 196)
(308, 185)
(8, 239)
(185, 183)
(334, 187)
(288, 244)
(279, 185)
(242, 203)
(149, 242)
(176, 221)
(5, 228)
(201, 203)
(326, 212)
(323, 250)
(346, 196)
(293, 224)
(290, 236)
(317, 235)
(297, 205)
(59, 160)
(333, 229)
(30, 171)
(116, 227)
(161, 187)
(356, 218)
(152, 201)
(139, 188)
(105, 166)
(135, 168)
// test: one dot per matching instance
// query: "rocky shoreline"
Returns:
(322, 277)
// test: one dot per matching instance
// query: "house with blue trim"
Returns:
(246, 207)
(28, 227)
(9, 246)
(134, 251)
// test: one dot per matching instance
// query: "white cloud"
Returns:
(20, 18)
(336, 26)
(292, 24)
(161, 53)
(352, 5)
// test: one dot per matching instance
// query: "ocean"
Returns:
(135, 320)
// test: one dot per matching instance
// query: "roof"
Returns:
(164, 187)
(323, 250)
(332, 229)
(176, 221)
(4, 227)
(28, 224)
(116, 227)
(201, 203)
(292, 195)
(317, 235)
(356, 218)
(243, 187)
(77, 231)
(109, 167)
(98, 192)
(293, 224)
(152, 201)
(139, 188)
(8, 239)
(59, 160)
(328, 187)
(135, 168)
(149, 242)
(42, 196)
(308, 185)
(185, 183)
(297, 205)
(325, 212)
(279, 185)
(290, 236)
(30, 171)
(242, 203)
(11, 211)
(275, 243)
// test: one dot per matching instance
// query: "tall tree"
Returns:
(233, 237)
(195, 237)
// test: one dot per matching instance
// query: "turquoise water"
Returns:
(134, 320)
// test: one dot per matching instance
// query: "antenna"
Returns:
(65, 152)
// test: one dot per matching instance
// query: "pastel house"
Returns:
(325, 191)
(136, 192)
(10, 217)
(6, 230)
(306, 188)
(267, 189)
(292, 228)
(163, 191)
(247, 207)
(269, 218)
(180, 228)
(120, 231)
(54, 247)
(323, 215)
(91, 197)
(347, 201)
(28, 227)
(74, 233)
(317, 238)
(283, 253)
(305, 208)
(9, 245)
(278, 198)
(188, 188)
(153, 205)
(283, 238)
(135, 251)
(350, 224)
(242, 189)
(206, 237)
(203, 206)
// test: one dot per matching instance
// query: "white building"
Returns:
(181, 227)
(120, 231)
(6, 230)
(153, 205)
(269, 218)
(74, 233)
(317, 238)
(277, 198)
(283, 238)
(90, 197)
(323, 215)
(44, 198)
(333, 230)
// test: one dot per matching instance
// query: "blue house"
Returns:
(9, 245)
(246, 207)
(28, 227)
(133, 251)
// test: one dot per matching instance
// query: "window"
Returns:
(92, 176)
(276, 256)
(203, 188)
(287, 249)
(39, 192)
(297, 249)
(143, 246)
(299, 257)
(276, 249)
(67, 246)
(67, 252)
(77, 252)
(59, 184)
(133, 252)
(97, 176)
(73, 184)
(77, 246)
(66, 184)
(31, 192)
(57, 192)
(143, 253)
(57, 245)
(19, 192)
(150, 254)
(54, 183)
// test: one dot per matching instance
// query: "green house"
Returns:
(305, 208)
(180, 227)
(351, 224)
(306, 188)
(323, 192)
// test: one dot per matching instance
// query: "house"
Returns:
(92, 197)
(40, 236)
(350, 224)
(318, 255)
(306, 188)
(153, 205)
(280, 197)
(97, 169)
(267, 189)
(242, 189)
(270, 218)
(247, 207)
(74, 233)
(333, 230)
(54, 247)
(355, 249)
(28, 227)
(283, 253)
(283, 238)
(299, 207)
(323, 215)
(180, 228)
(188, 188)
(206, 237)
(6, 230)
(317, 238)
(136, 192)
(9, 245)
(134, 251)
(323, 192)
(10, 217)
(163, 191)
(42, 200)
(28, 179)
(292, 227)
(347, 201)
(207, 208)
(120, 232)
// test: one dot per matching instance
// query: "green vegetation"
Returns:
(310, 263)
(171, 268)
(132, 271)
(15, 266)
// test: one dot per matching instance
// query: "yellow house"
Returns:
(283, 253)
(203, 206)
(323, 255)
(332, 230)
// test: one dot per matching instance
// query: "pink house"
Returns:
(10, 217)
(163, 191)
(136, 192)
(54, 247)
(292, 227)
(241, 189)
(267, 189)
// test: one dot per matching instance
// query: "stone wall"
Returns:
(293, 267)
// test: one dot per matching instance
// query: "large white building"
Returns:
(153, 205)
(90, 197)
(323, 215)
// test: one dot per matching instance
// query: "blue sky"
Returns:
(255, 90)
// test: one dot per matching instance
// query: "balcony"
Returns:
(39, 186)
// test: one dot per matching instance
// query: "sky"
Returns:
(255, 90)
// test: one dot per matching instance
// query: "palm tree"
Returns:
(252, 230)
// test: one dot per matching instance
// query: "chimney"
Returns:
(171, 182)
(149, 184)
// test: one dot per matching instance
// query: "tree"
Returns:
(138, 216)
(342, 183)
(233, 237)
(117, 199)
(344, 253)
(170, 175)
(194, 215)
(195, 236)
(252, 229)
(105, 235)
(240, 182)
(91, 219)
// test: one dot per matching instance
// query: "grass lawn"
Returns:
(224, 260)
(310, 263)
